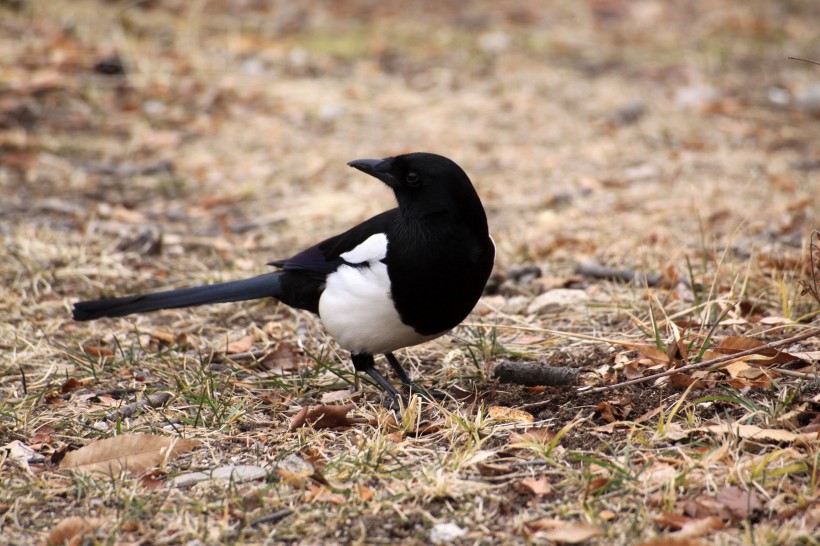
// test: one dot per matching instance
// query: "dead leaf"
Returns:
(509, 415)
(98, 352)
(753, 432)
(658, 473)
(597, 485)
(72, 530)
(363, 492)
(536, 435)
(242, 346)
(322, 495)
(704, 506)
(71, 385)
(284, 358)
(324, 416)
(736, 344)
(538, 487)
(670, 520)
(741, 504)
(614, 410)
(669, 541)
(336, 396)
(134, 452)
(698, 528)
(572, 533)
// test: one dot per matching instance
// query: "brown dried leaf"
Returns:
(363, 492)
(134, 452)
(323, 495)
(284, 358)
(736, 344)
(753, 432)
(98, 352)
(242, 346)
(536, 435)
(670, 520)
(741, 504)
(669, 541)
(597, 484)
(538, 487)
(509, 415)
(614, 410)
(324, 416)
(572, 533)
(71, 384)
(72, 530)
(698, 528)
(653, 354)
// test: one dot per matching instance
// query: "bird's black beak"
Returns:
(377, 168)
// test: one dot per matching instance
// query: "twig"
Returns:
(534, 374)
(271, 518)
(705, 363)
(154, 400)
(804, 60)
(599, 271)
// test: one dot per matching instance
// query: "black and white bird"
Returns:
(403, 277)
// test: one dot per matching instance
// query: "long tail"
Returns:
(262, 286)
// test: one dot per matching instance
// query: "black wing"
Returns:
(322, 259)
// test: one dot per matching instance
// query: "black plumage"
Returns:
(405, 276)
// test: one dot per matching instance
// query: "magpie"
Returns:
(403, 277)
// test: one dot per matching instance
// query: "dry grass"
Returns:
(257, 109)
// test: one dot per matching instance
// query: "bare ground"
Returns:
(676, 140)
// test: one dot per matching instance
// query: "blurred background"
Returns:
(215, 133)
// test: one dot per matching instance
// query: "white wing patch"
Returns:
(356, 307)
(373, 249)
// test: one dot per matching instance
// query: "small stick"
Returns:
(705, 363)
(804, 60)
(598, 271)
(271, 518)
(533, 374)
(154, 400)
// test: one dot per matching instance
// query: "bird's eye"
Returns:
(412, 179)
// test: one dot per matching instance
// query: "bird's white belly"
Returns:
(357, 310)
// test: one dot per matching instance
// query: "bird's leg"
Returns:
(411, 385)
(365, 363)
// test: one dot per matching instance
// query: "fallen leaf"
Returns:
(658, 473)
(72, 530)
(538, 487)
(698, 528)
(242, 346)
(668, 541)
(704, 506)
(134, 452)
(284, 358)
(597, 485)
(740, 503)
(323, 495)
(363, 492)
(671, 520)
(536, 435)
(572, 533)
(754, 432)
(98, 352)
(336, 396)
(71, 385)
(736, 344)
(509, 415)
(324, 416)
(614, 410)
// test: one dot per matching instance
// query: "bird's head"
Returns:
(425, 184)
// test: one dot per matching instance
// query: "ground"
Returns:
(164, 143)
